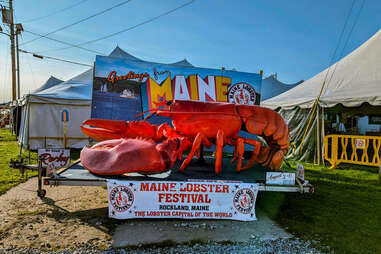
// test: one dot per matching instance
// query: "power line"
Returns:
(79, 21)
(325, 79)
(56, 12)
(127, 29)
(53, 58)
(346, 42)
(340, 39)
(63, 42)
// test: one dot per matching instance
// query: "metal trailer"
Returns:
(77, 175)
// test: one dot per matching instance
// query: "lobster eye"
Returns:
(168, 103)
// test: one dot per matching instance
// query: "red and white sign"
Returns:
(185, 200)
(56, 158)
(360, 143)
(242, 93)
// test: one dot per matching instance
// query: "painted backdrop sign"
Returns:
(123, 88)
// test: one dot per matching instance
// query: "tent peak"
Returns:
(120, 53)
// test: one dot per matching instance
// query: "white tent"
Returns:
(353, 84)
(41, 124)
(353, 80)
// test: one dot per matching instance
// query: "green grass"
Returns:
(343, 213)
(9, 149)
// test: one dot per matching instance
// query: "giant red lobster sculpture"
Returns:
(132, 146)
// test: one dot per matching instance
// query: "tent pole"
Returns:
(322, 135)
(318, 134)
(28, 121)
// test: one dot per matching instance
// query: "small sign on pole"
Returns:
(64, 119)
(300, 171)
(54, 159)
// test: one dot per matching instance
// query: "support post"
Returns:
(322, 134)
(201, 159)
(64, 134)
(318, 135)
(40, 192)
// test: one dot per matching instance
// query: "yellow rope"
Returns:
(313, 112)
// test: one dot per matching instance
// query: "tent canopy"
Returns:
(352, 81)
(271, 87)
(183, 63)
(76, 89)
(52, 81)
(120, 53)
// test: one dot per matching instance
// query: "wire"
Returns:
(338, 43)
(324, 82)
(53, 58)
(346, 42)
(56, 12)
(66, 43)
(127, 29)
(79, 21)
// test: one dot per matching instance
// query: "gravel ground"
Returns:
(283, 246)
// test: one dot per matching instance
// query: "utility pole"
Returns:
(12, 27)
(19, 29)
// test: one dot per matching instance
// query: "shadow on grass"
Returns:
(338, 177)
(342, 215)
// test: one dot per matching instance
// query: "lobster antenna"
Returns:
(149, 115)
(151, 112)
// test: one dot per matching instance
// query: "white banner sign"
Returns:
(280, 178)
(185, 200)
(54, 158)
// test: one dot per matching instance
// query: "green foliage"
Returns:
(343, 213)
(9, 149)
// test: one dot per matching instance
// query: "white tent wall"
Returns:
(311, 149)
(49, 133)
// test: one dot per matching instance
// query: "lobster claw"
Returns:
(119, 156)
(102, 129)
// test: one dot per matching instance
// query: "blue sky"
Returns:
(294, 38)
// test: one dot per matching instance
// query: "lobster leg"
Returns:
(257, 148)
(239, 150)
(200, 139)
(277, 159)
(219, 147)
(235, 155)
